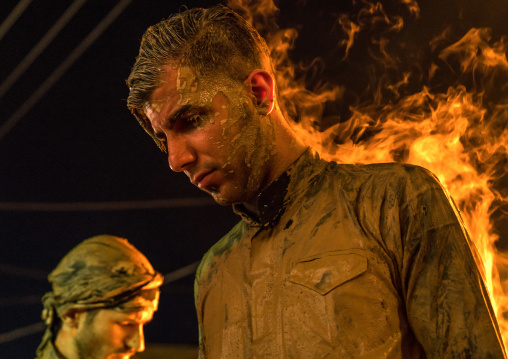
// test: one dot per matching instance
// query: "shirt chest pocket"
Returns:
(326, 271)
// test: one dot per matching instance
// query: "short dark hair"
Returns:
(214, 40)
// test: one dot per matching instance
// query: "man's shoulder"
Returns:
(380, 174)
(387, 168)
(226, 243)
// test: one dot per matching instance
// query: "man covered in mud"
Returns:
(328, 260)
(104, 292)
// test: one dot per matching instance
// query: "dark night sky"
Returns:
(79, 143)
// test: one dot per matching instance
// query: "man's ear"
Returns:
(71, 318)
(261, 86)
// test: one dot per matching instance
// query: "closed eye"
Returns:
(160, 136)
(129, 324)
(195, 120)
(188, 121)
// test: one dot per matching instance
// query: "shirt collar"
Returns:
(274, 198)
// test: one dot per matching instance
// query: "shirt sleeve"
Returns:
(447, 302)
(197, 303)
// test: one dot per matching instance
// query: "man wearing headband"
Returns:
(104, 292)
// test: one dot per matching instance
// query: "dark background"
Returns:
(78, 145)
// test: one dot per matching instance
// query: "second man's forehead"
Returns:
(140, 315)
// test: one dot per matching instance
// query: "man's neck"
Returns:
(253, 207)
(288, 148)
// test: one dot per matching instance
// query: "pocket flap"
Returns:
(326, 271)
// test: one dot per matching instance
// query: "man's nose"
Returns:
(137, 340)
(179, 154)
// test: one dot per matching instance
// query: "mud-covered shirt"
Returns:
(347, 261)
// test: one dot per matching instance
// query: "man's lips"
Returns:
(124, 354)
(200, 179)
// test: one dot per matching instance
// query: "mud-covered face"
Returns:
(213, 133)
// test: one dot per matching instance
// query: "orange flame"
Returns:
(458, 132)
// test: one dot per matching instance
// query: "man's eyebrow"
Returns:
(178, 114)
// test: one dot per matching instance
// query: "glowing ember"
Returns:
(456, 129)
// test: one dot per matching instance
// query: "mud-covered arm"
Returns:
(447, 303)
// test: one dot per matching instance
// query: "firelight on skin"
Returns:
(111, 334)
(213, 133)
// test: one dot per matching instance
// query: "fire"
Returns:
(457, 130)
